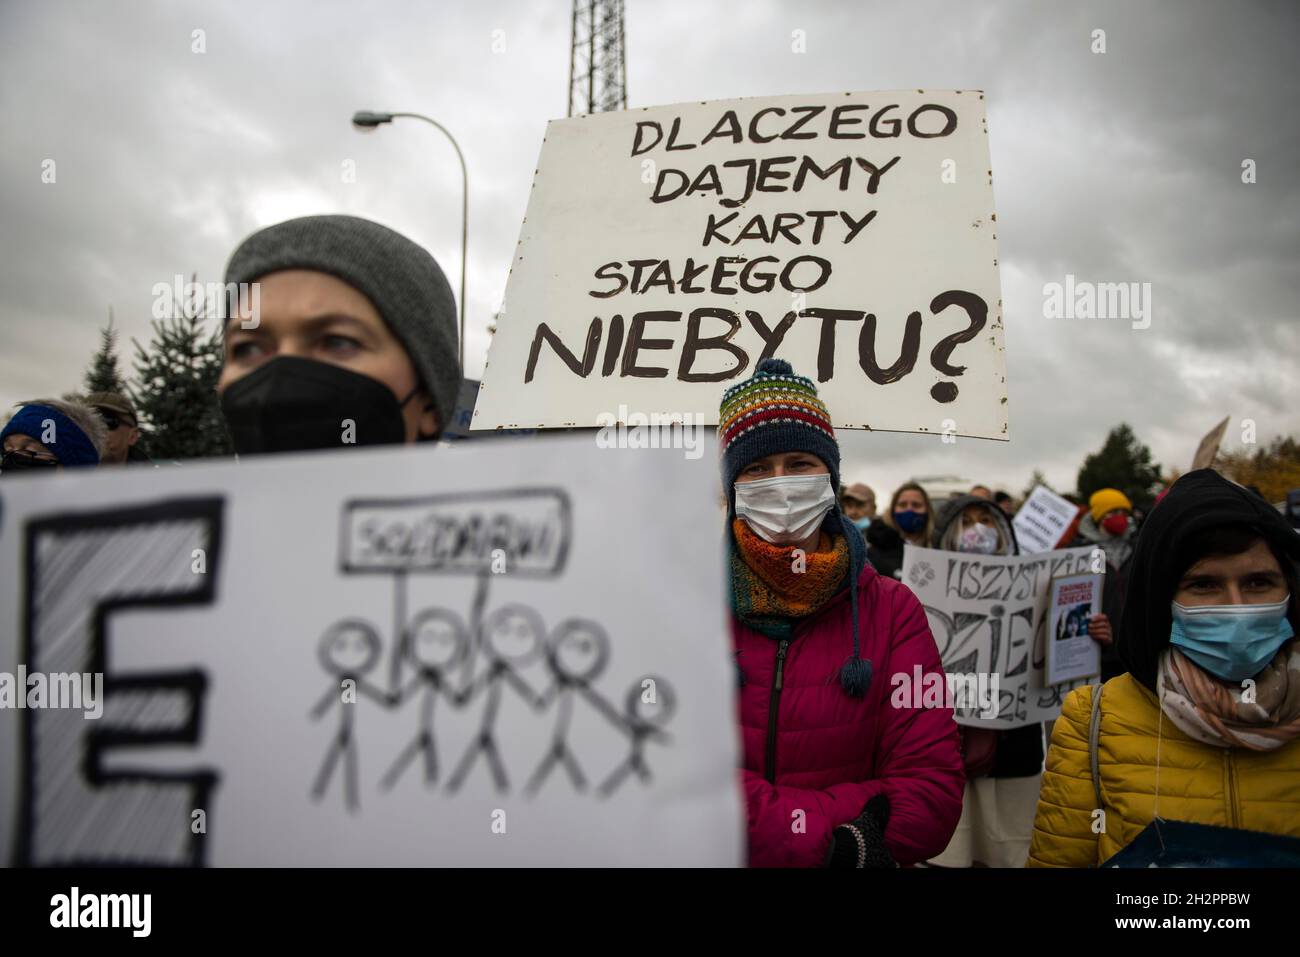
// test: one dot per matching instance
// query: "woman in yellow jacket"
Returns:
(1205, 725)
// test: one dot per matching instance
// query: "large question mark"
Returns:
(978, 311)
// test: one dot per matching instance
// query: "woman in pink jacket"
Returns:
(841, 765)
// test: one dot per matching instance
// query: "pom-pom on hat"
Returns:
(775, 411)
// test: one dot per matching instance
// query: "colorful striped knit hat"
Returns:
(775, 411)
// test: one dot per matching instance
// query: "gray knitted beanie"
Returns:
(403, 281)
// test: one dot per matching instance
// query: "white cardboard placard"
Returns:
(227, 605)
(666, 250)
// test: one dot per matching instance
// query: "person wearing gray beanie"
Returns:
(338, 331)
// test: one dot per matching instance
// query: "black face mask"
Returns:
(21, 462)
(290, 404)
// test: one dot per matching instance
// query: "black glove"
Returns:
(870, 827)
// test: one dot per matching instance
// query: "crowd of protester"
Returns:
(1196, 713)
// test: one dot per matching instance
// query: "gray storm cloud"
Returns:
(1115, 167)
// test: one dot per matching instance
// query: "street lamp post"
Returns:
(367, 120)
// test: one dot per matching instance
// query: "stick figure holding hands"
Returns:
(513, 638)
(649, 706)
(433, 644)
(577, 654)
(349, 649)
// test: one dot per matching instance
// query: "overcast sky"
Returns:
(1117, 167)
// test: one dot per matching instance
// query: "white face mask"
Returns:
(787, 508)
(980, 539)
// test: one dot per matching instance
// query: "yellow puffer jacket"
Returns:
(1228, 787)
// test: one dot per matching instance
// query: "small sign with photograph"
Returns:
(1071, 652)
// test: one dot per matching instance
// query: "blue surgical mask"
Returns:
(1233, 642)
(910, 522)
(863, 523)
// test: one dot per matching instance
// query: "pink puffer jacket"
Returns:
(832, 752)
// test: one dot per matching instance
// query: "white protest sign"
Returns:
(988, 615)
(470, 656)
(666, 251)
(1208, 448)
(1071, 652)
(1043, 520)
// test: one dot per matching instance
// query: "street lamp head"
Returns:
(367, 121)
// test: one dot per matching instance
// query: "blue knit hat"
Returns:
(70, 445)
(777, 411)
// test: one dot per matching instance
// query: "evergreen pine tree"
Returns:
(102, 376)
(175, 388)
(1123, 463)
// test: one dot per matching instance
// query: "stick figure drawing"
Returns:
(577, 653)
(649, 705)
(512, 639)
(435, 642)
(439, 655)
(349, 650)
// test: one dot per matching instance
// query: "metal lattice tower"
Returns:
(597, 58)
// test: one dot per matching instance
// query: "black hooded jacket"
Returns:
(884, 548)
(1199, 500)
(955, 506)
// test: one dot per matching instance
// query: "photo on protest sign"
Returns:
(667, 250)
(1072, 654)
(1044, 521)
(390, 657)
(989, 616)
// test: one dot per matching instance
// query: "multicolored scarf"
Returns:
(1214, 712)
(771, 592)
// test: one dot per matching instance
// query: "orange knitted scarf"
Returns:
(771, 587)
